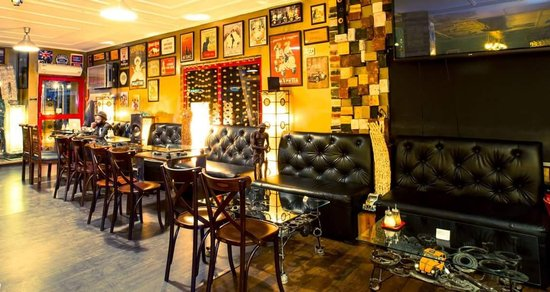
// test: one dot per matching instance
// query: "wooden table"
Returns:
(169, 156)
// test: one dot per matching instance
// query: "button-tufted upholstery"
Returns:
(336, 167)
(229, 153)
(121, 129)
(490, 184)
(162, 134)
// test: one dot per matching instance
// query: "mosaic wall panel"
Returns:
(358, 63)
(240, 91)
(202, 86)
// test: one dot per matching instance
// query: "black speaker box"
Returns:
(273, 84)
(341, 16)
(136, 123)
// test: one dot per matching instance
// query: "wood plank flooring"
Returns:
(46, 245)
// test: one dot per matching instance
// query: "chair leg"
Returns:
(116, 198)
(212, 266)
(23, 164)
(57, 181)
(95, 195)
(242, 268)
(69, 180)
(49, 170)
(31, 172)
(197, 251)
(106, 200)
(230, 259)
(277, 260)
(39, 174)
(78, 177)
(170, 257)
(134, 205)
(203, 248)
(159, 211)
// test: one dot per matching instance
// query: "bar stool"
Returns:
(121, 161)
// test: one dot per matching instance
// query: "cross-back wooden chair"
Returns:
(38, 156)
(26, 150)
(239, 230)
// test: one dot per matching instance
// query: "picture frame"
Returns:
(285, 58)
(187, 45)
(168, 66)
(317, 72)
(114, 55)
(153, 68)
(209, 43)
(2, 56)
(284, 15)
(233, 39)
(124, 57)
(123, 78)
(316, 35)
(153, 49)
(168, 46)
(318, 13)
(138, 66)
(153, 90)
(99, 56)
(257, 31)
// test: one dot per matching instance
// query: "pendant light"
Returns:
(121, 12)
(26, 45)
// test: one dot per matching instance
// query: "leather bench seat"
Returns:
(512, 217)
(221, 169)
(320, 189)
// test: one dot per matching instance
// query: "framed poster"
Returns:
(46, 56)
(138, 66)
(168, 45)
(99, 57)
(318, 13)
(153, 49)
(285, 58)
(77, 60)
(2, 56)
(168, 66)
(123, 78)
(153, 68)
(209, 43)
(285, 15)
(186, 46)
(317, 72)
(114, 55)
(153, 89)
(257, 31)
(316, 35)
(124, 57)
(233, 40)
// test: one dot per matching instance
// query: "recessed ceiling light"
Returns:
(197, 17)
(108, 43)
(121, 12)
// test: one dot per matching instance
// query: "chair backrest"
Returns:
(36, 149)
(182, 191)
(101, 160)
(227, 197)
(26, 139)
(121, 163)
(63, 148)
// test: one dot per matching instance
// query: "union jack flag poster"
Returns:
(45, 56)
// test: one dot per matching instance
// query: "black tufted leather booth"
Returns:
(229, 153)
(121, 129)
(163, 134)
(336, 167)
(495, 187)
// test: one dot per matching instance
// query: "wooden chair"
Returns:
(65, 165)
(84, 168)
(26, 149)
(239, 230)
(182, 202)
(121, 161)
(38, 156)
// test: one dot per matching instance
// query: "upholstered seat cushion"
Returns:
(322, 189)
(260, 229)
(513, 217)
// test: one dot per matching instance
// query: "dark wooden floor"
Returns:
(46, 245)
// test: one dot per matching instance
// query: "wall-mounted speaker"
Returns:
(341, 16)
(136, 124)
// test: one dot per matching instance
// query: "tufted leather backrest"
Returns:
(121, 129)
(345, 158)
(230, 144)
(501, 171)
(162, 134)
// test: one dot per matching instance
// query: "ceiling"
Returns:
(76, 24)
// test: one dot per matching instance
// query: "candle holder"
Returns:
(392, 220)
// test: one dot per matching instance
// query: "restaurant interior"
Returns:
(315, 145)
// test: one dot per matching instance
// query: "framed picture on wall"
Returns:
(209, 43)
(153, 89)
(2, 56)
(124, 57)
(186, 47)
(257, 31)
(318, 13)
(286, 15)
(153, 68)
(168, 45)
(233, 39)
(316, 35)
(114, 55)
(168, 66)
(123, 78)
(285, 58)
(138, 66)
(317, 72)
(153, 49)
